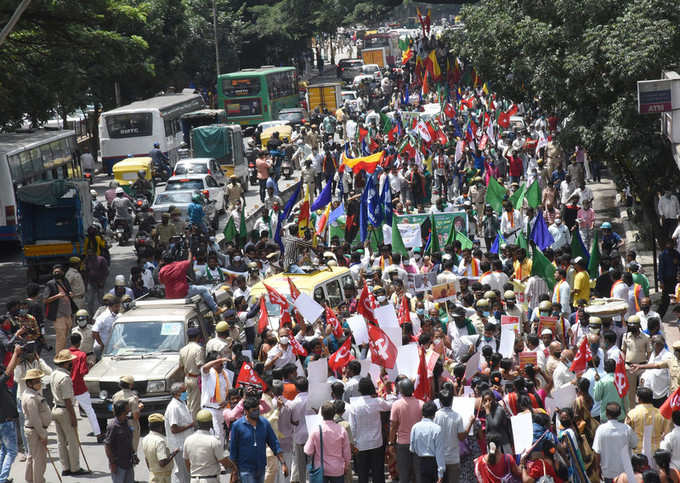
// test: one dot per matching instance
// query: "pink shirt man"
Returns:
(406, 411)
(336, 451)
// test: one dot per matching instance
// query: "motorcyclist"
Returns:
(142, 186)
(195, 212)
(274, 147)
(122, 208)
(160, 160)
(146, 219)
(98, 210)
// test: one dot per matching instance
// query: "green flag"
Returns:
(397, 242)
(594, 262)
(578, 249)
(230, 232)
(386, 123)
(495, 193)
(242, 230)
(521, 241)
(541, 266)
(518, 197)
(454, 235)
(533, 194)
(434, 239)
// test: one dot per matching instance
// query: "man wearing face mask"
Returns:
(282, 353)
(380, 297)
(118, 445)
(562, 376)
(646, 313)
(156, 452)
(82, 395)
(38, 418)
(103, 324)
(84, 330)
(64, 414)
(636, 347)
(487, 338)
(479, 319)
(179, 425)
(59, 306)
(513, 310)
(126, 393)
(555, 351)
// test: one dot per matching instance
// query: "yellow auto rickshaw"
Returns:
(126, 172)
(283, 130)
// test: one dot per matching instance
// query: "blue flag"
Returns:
(367, 210)
(324, 197)
(406, 97)
(427, 245)
(386, 202)
(540, 234)
(285, 214)
(364, 147)
(456, 129)
(497, 243)
(336, 213)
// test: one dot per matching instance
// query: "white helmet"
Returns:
(119, 191)
(93, 193)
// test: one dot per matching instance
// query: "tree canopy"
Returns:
(582, 59)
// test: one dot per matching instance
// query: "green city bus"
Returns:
(252, 96)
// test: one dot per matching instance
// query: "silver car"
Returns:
(181, 201)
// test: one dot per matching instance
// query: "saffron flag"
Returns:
(342, 356)
(323, 220)
(304, 216)
(383, 350)
(367, 163)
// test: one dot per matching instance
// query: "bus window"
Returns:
(243, 107)
(318, 295)
(334, 293)
(129, 125)
(241, 87)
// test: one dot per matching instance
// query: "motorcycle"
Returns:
(287, 168)
(161, 174)
(143, 243)
(121, 230)
(139, 205)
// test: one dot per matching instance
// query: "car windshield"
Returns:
(348, 97)
(184, 184)
(191, 168)
(269, 124)
(167, 198)
(290, 115)
(145, 337)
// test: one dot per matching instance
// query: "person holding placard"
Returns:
(453, 430)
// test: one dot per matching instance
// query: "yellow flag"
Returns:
(485, 90)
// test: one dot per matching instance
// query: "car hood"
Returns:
(141, 369)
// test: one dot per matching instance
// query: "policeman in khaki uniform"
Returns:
(86, 338)
(221, 343)
(64, 414)
(37, 419)
(636, 347)
(191, 358)
(126, 393)
(156, 452)
(203, 453)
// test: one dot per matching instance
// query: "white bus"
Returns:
(28, 157)
(133, 129)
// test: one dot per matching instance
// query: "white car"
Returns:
(268, 124)
(372, 69)
(205, 183)
(361, 78)
(353, 99)
(200, 166)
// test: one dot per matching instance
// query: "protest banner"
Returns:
(443, 292)
(547, 323)
(510, 319)
(527, 358)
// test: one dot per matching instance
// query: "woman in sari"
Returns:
(570, 448)
(585, 427)
(495, 465)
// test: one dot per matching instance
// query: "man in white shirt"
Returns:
(669, 210)
(646, 313)
(511, 223)
(395, 266)
(560, 234)
(299, 408)
(584, 194)
(353, 374)
(671, 442)
(657, 375)
(610, 440)
(562, 292)
(103, 324)
(453, 430)
(366, 426)
(469, 266)
(179, 424)
(562, 376)
(282, 353)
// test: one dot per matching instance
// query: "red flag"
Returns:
(373, 145)
(583, 355)
(483, 141)
(248, 376)
(332, 320)
(263, 321)
(342, 356)
(294, 292)
(442, 138)
(285, 319)
(277, 298)
(512, 111)
(672, 403)
(366, 305)
(504, 120)
(393, 133)
(620, 377)
(298, 350)
(362, 133)
(431, 130)
(383, 350)
(422, 389)
(404, 314)
(449, 111)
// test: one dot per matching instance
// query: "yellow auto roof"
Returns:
(304, 282)
(130, 163)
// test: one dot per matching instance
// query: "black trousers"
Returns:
(426, 468)
(371, 461)
(668, 290)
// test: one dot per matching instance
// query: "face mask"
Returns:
(59, 276)
(254, 413)
(24, 311)
(645, 310)
(82, 323)
(381, 298)
(283, 341)
(183, 396)
(497, 314)
(485, 314)
(558, 355)
(420, 311)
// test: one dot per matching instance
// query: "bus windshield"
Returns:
(129, 125)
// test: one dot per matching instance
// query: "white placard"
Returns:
(522, 431)
(230, 376)
(300, 370)
(465, 406)
(386, 316)
(408, 360)
(248, 353)
(415, 322)
(319, 393)
(318, 370)
(562, 397)
(507, 345)
(308, 307)
(410, 234)
(394, 333)
(627, 464)
(468, 391)
(472, 366)
(357, 325)
(312, 421)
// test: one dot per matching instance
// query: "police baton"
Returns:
(82, 452)
(49, 456)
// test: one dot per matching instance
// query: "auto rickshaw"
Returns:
(126, 172)
(284, 134)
